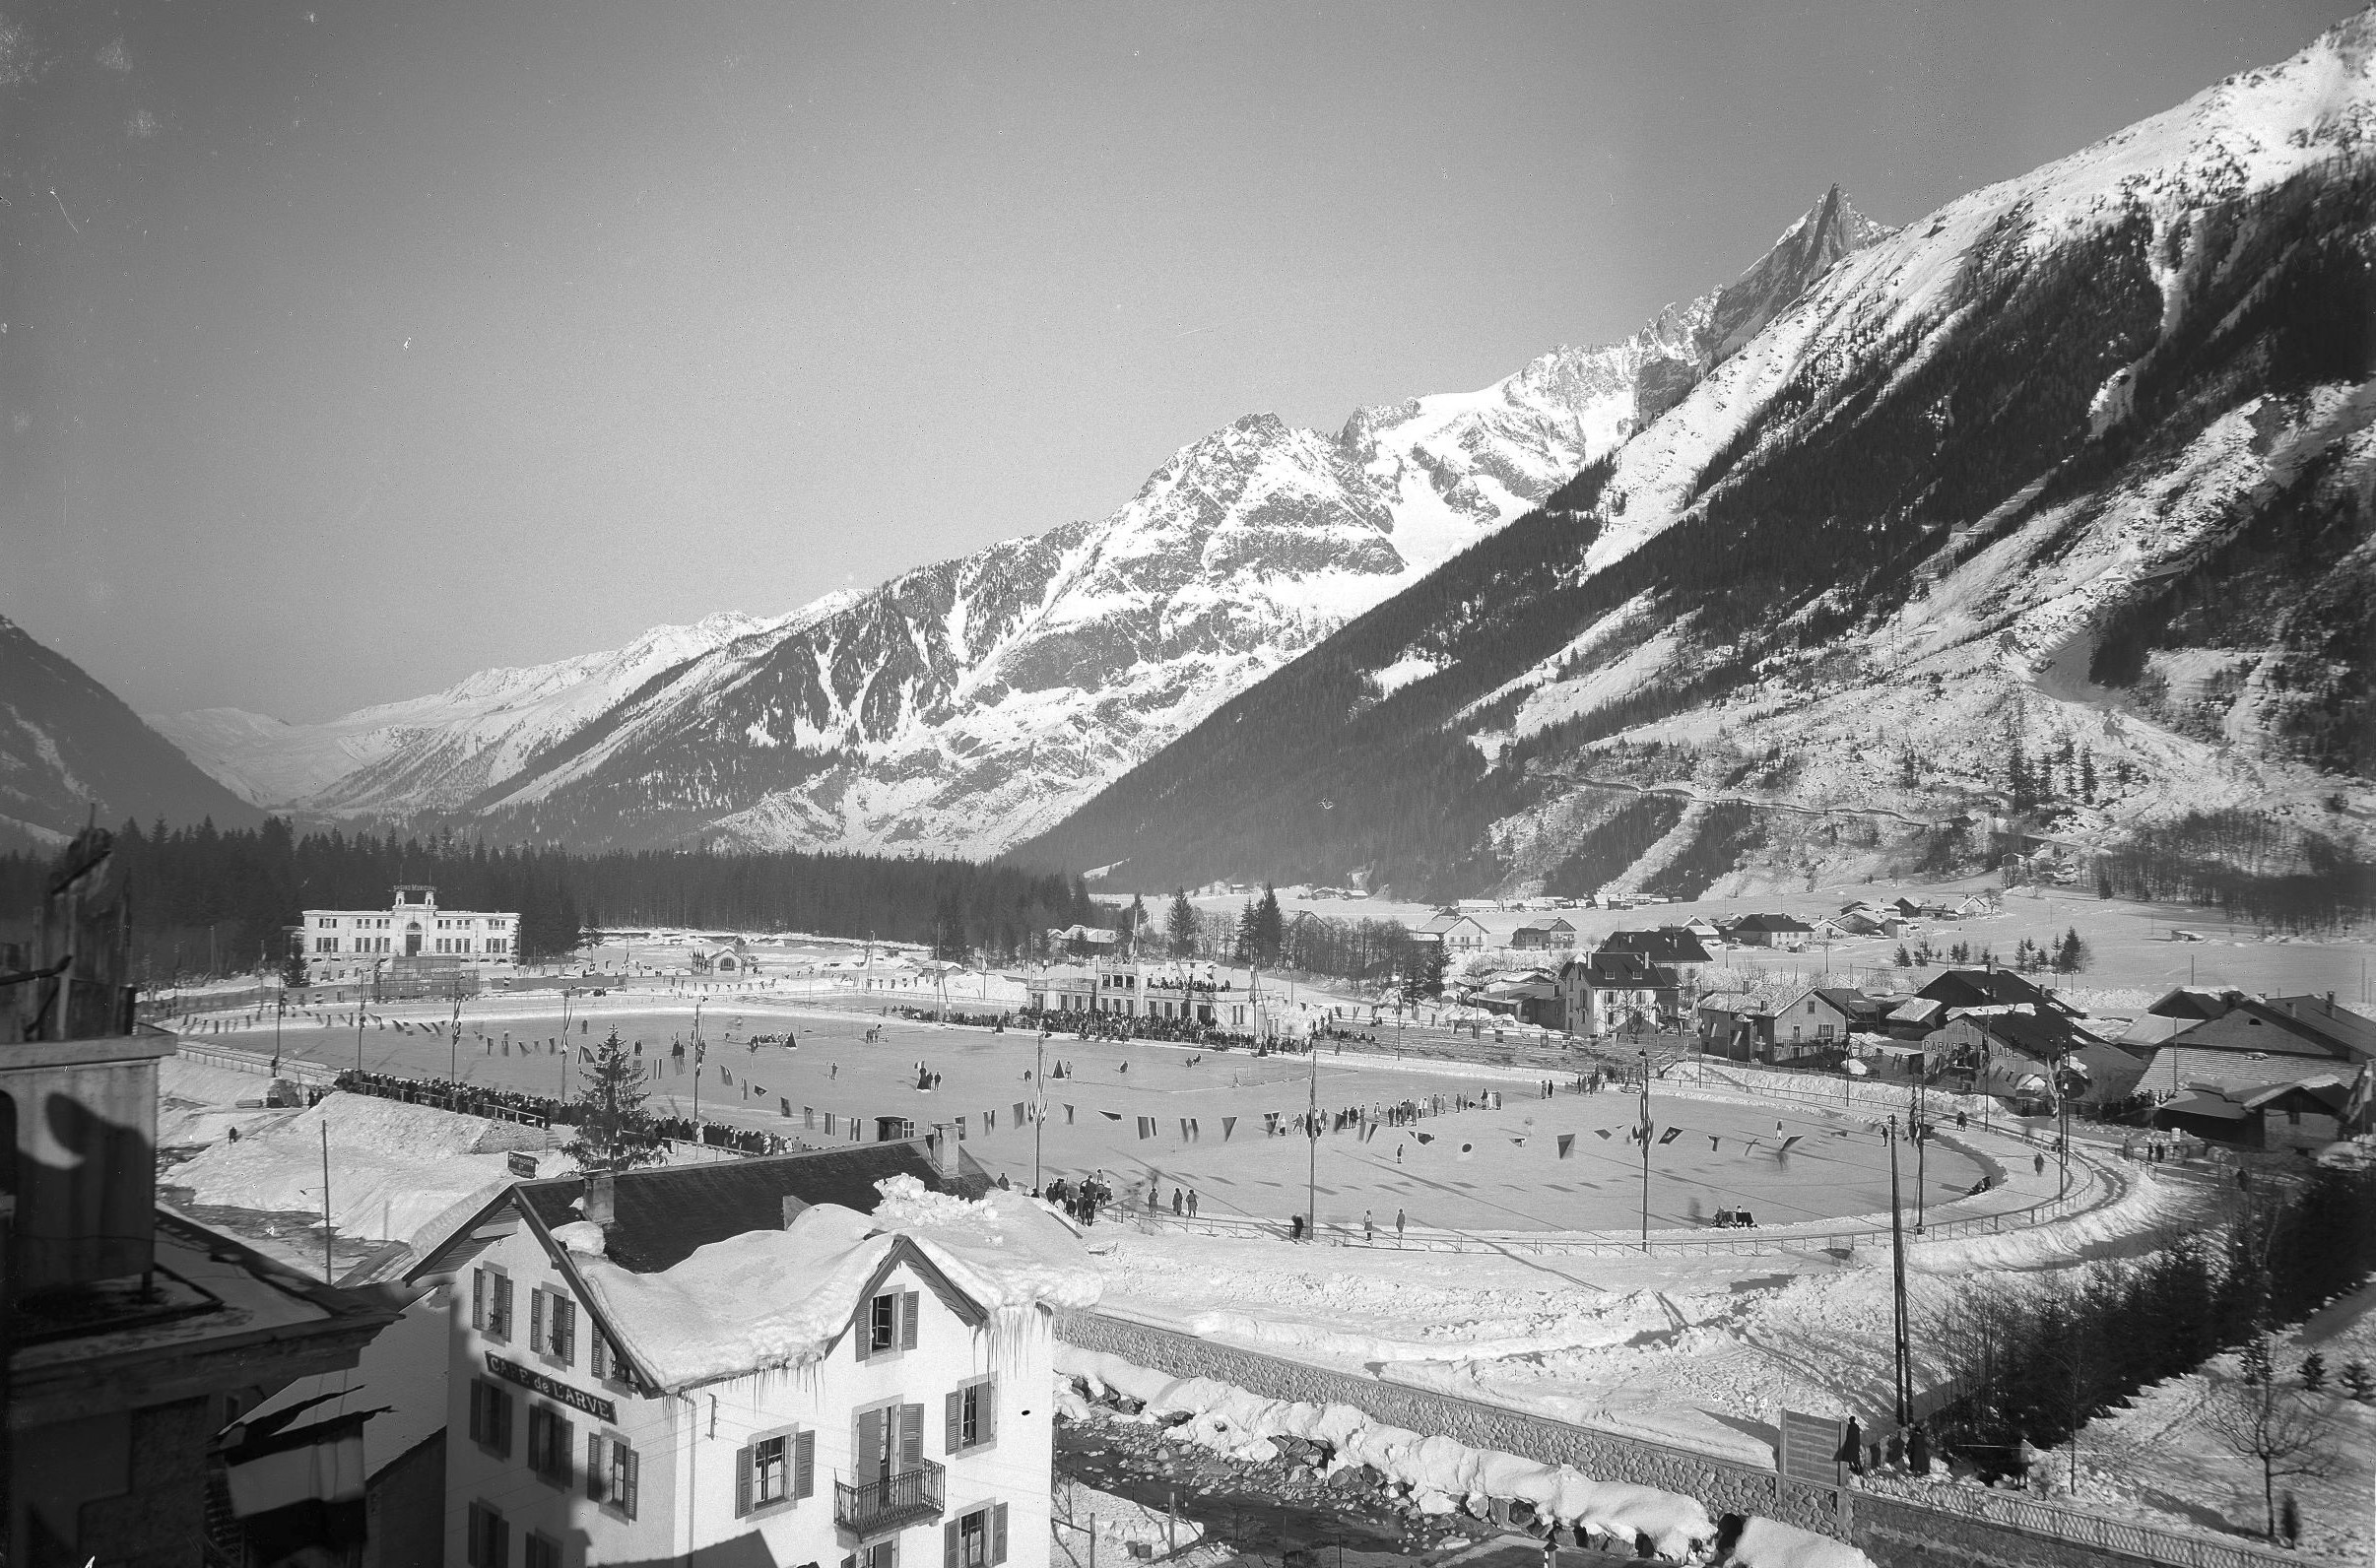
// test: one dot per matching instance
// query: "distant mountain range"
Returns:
(967, 704)
(69, 746)
(2055, 512)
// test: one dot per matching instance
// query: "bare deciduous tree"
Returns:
(2260, 1420)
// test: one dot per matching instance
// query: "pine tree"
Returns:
(1138, 918)
(2086, 775)
(1905, 959)
(614, 1133)
(1270, 927)
(1180, 925)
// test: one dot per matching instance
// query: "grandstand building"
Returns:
(411, 933)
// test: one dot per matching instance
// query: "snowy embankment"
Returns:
(395, 1168)
(1443, 1477)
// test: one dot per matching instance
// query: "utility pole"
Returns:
(326, 1277)
(1922, 1153)
(1311, 1190)
(1645, 1135)
(1897, 1262)
(453, 1044)
(1039, 1115)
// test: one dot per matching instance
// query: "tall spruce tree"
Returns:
(614, 1133)
(1179, 924)
(1270, 927)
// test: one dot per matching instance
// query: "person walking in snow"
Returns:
(2039, 1164)
(1191, 1203)
(1397, 1228)
(1369, 1229)
(1179, 1202)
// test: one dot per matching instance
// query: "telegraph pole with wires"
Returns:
(1897, 1262)
(1039, 1112)
(1311, 1190)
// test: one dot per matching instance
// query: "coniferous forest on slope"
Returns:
(1812, 527)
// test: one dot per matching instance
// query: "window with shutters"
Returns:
(549, 1444)
(976, 1539)
(970, 1417)
(490, 1302)
(775, 1468)
(488, 1539)
(491, 1417)
(889, 1325)
(613, 1474)
(540, 1550)
(875, 1555)
(561, 1328)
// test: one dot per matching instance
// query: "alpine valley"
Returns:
(968, 704)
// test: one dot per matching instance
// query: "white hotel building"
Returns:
(411, 926)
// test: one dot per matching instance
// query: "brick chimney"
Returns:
(602, 1199)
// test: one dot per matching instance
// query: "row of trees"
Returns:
(2038, 1366)
(207, 899)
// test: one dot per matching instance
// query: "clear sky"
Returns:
(353, 347)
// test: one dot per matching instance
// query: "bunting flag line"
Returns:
(808, 1117)
(1068, 1116)
(828, 1127)
(1183, 1130)
(1669, 1135)
(989, 1121)
(1567, 1144)
(786, 1104)
(1712, 1143)
(1229, 1126)
(1147, 1127)
(1113, 1116)
(1424, 1138)
(1600, 1131)
(1019, 1113)
(1786, 1142)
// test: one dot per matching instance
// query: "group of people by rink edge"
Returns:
(511, 1105)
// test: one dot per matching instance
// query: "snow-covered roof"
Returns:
(769, 1300)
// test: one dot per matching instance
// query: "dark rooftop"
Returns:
(662, 1216)
(1665, 944)
(1984, 988)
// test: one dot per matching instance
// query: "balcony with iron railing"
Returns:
(905, 1497)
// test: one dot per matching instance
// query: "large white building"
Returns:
(411, 926)
(643, 1371)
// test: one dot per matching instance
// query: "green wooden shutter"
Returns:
(952, 1437)
(594, 1472)
(564, 1450)
(948, 1544)
(873, 1460)
(498, 1407)
(911, 1437)
(536, 1319)
(804, 1464)
(742, 1481)
(478, 1298)
(478, 1407)
(985, 1416)
(631, 1482)
(908, 1303)
(997, 1533)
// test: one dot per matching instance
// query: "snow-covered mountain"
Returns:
(434, 752)
(965, 704)
(69, 746)
(2056, 509)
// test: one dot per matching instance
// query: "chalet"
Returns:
(812, 1380)
(1530, 999)
(1556, 934)
(1737, 1024)
(2193, 1004)
(1457, 933)
(2303, 1113)
(1822, 1018)
(1704, 928)
(2020, 1051)
(1083, 938)
(1770, 930)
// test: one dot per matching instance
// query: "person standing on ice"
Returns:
(1369, 1229)
(1397, 1228)
(1191, 1203)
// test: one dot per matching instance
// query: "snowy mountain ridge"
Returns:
(2079, 468)
(967, 703)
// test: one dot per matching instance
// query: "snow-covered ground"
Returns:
(2156, 1459)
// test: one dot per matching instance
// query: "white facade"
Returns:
(923, 1435)
(411, 926)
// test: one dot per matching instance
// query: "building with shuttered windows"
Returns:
(643, 1371)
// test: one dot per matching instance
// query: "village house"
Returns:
(1610, 991)
(1457, 933)
(1556, 933)
(1821, 1018)
(2259, 1103)
(2025, 1052)
(1737, 1023)
(1956, 990)
(810, 1381)
(2304, 1025)
(1677, 947)
(1770, 930)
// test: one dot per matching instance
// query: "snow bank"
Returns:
(1234, 1421)
(1768, 1543)
(769, 1300)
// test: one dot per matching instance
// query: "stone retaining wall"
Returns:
(1895, 1532)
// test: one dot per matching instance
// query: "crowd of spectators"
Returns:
(510, 1105)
